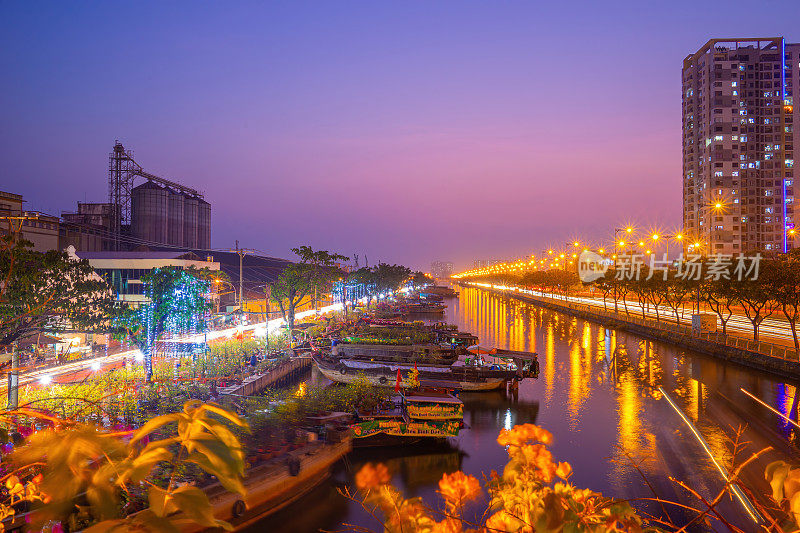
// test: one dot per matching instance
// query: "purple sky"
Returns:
(407, 131)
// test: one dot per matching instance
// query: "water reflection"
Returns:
(598, 393)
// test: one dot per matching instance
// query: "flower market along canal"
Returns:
(598, 394)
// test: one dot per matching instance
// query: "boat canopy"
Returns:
(432, 397)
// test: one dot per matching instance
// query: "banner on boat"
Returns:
(438, 411)
(414, 428)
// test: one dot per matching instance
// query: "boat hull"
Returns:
(385, 379)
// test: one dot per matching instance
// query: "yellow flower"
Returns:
(459, 487)
(503, 521)
(371, 476)
(564, 470)
(524, 433)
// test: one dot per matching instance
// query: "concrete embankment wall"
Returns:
(280, 375)
(784, 364)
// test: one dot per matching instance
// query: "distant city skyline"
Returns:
(409, 133)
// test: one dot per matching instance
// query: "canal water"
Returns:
(598, 393)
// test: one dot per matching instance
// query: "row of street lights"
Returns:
(626, 241)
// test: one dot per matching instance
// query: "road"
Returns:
(773, 330)
(78, 370)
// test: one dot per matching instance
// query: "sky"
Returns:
(404, 131)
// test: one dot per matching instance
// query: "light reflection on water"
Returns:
(597, 393)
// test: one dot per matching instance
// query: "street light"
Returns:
(219, 281)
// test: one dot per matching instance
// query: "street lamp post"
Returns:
(219, 295)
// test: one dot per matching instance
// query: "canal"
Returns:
(598, 394)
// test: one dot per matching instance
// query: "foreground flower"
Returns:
(523, 434)
(459, 487)
(371, 476)
(564, 470)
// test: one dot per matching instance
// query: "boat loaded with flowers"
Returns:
(410, 416)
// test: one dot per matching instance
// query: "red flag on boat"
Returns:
(399, 379)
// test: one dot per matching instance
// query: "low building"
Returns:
(40, 229)
(124, 270)
(89, 228)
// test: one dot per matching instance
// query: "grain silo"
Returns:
(159, 211)
(190, 205)
(175, 230)
(149, 208)
(203, 224)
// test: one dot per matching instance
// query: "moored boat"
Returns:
(414, 415)
(456, 376)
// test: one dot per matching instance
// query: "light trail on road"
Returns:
(259, 329)
(772, 330)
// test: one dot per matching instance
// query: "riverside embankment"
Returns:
(775, 359)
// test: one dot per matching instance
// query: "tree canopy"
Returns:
(178, 301)
(314, 272)
(49, 290)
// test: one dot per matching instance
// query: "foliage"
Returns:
(122, 394)
(420, 280)
(81, 475)
(551, 280)
(279, 411)
(390, 335)
(315, 271)
(772, 287)
(177, 303)
(49, 289)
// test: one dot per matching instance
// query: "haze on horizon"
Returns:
(408, 132)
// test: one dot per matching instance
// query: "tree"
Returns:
(314, 273)
(604, 285)
(365, 277)
(719, 295)
(389, 278)
(177, 302)
(655, 290)
(639, 288)
(50, 290)
(785, 274)
(756, 297)
(676, 292)
(420, 280)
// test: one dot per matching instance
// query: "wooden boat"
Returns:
(457, 376)
(273, 486)
(414, 353)
(423, 308)
(433, 405)
(415, 415)
(440, 290)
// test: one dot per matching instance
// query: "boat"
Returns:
(458, 376)
(412, 353)
(440, 290)
(419, 308)
(273, 485)
(413, 415)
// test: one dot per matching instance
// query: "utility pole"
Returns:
(15, 224)
(241, 253)
(13, 379)
(267, 295)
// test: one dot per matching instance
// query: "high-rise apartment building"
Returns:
(441, 269)
(738, 145)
